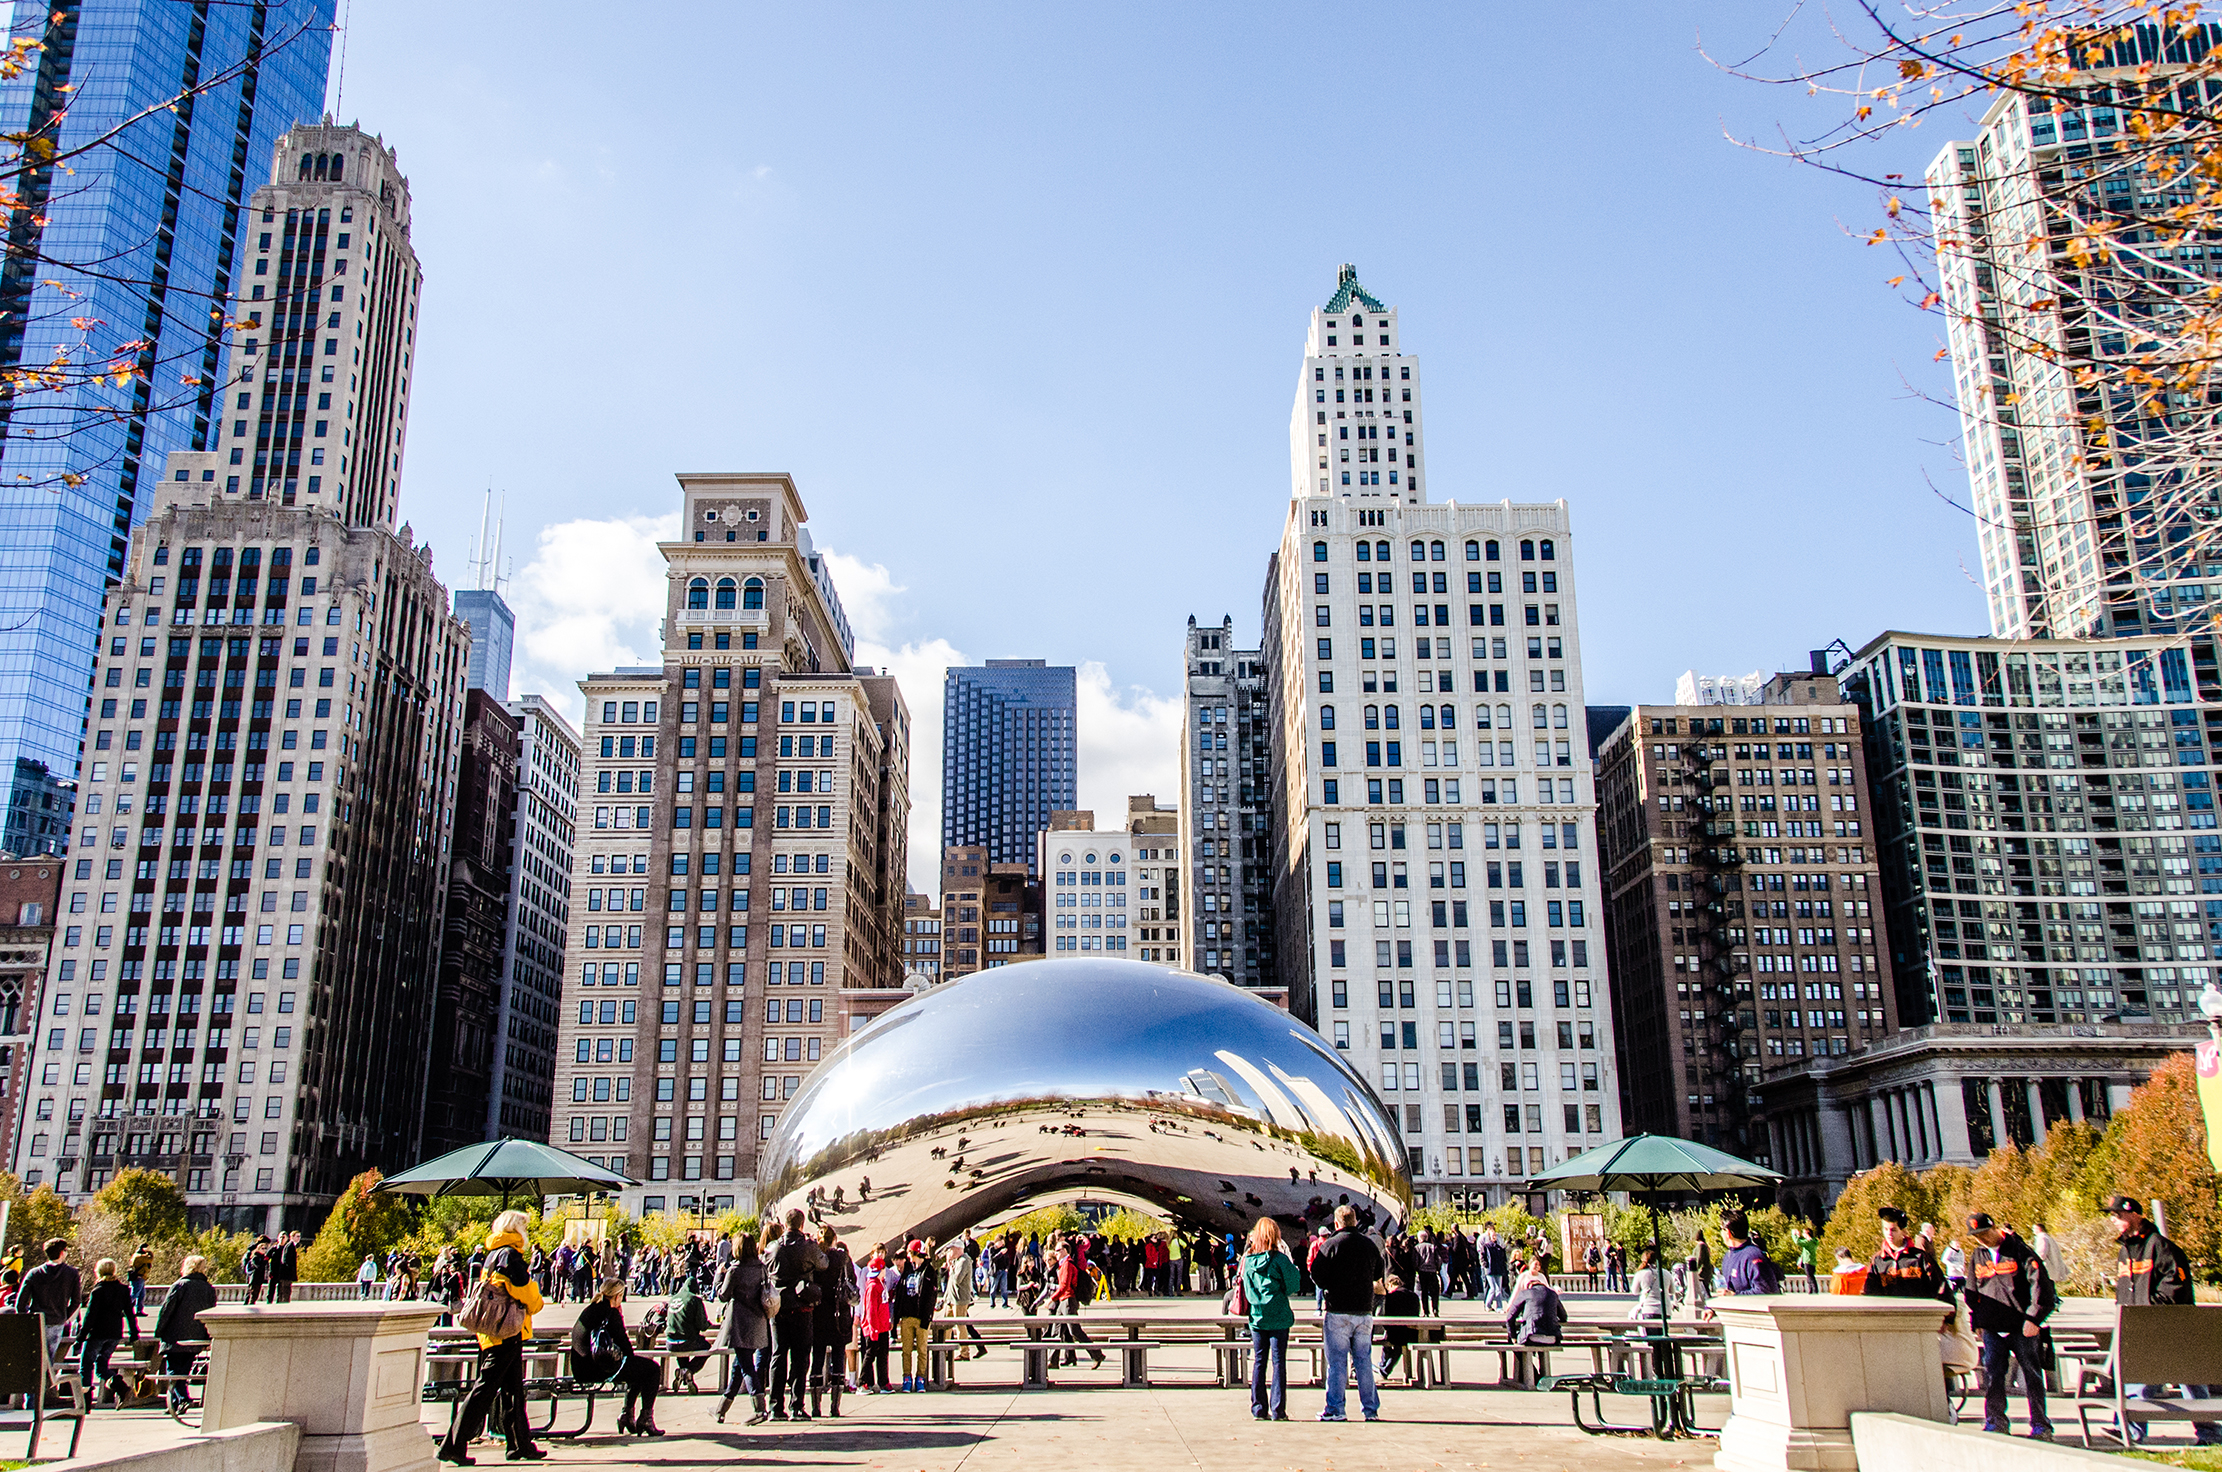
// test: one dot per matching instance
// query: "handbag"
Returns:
(769, 1298)
(489, 1310)
(1957, 1348)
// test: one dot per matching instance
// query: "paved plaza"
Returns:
(1183, 1420)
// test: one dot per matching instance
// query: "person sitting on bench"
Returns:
(602, 1353)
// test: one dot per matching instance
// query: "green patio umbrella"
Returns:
(1652, 1164)
(506, 1168)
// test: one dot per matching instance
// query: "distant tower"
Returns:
(493, 625)
(1009, 733)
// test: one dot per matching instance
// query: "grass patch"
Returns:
(2203, 1458)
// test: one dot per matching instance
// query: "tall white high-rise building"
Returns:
(1436, 889)
(1356, 429)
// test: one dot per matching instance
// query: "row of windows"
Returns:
(1475, 583)
(1476, 551)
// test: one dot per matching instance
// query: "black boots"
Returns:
(837, 1388)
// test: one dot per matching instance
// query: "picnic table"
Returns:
(1670, 1387)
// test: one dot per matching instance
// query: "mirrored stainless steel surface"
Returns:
(1082, 1078)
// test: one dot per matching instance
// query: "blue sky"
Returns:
(1018, 295)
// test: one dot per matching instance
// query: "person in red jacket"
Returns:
(1064, 1299)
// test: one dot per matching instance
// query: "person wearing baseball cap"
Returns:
(2150, 1269)
(1902, 1268)
(2010, 1295)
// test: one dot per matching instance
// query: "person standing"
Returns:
(52, 1290)
(1808, 1248)
(913, 1311)
(366, 1276)
(833, 1320)
(501, 1362)
(1064, 1299)
(1428, 1260)
(142, 1263)
(795, 1264)
(285, 1266)
(1902, 1267)
(2150, 1269)
(746, 1332)
(1347, 1267)
(1747, 1268)
(1650, 1290)
(1493, 1264)
(874, 1323)
(1270, 1283)
(2010, 1295)
(958, 1290)
(254, 1267)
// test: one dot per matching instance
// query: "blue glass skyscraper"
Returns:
(1009, 738)
(136, 239)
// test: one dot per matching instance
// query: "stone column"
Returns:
(1874, 1136)
(1904, 1126)
(350, 1374)
(2036, 1111)
(1950, 1105)
(1999, 1133)
(1798, 1367)
(2075, 1101)
(2117, 1094)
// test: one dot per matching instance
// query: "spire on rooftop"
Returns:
(1347, 290)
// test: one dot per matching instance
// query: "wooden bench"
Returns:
(2160, 1344)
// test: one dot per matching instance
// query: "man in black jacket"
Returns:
(2010, 1295)
(795, 1265)
(2150, 1269)
(1904, 1268)
(1346, 1268)
(53, 1289)
(285, 1265)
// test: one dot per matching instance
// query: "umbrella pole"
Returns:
(1658, 1261)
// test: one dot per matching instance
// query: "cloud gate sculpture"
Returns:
(1082, 1078)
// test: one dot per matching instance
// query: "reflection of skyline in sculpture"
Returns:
(1082, 1077)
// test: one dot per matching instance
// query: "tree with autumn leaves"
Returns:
(2154, 1149)
(2064, 248)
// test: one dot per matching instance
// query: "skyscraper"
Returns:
(155, 220)
(269, 799)
(1226, 809)
(753, 751)
(1009, 755)
(1436, 887)
(521, 1093)
(493, 635)
(2093, 511)
(1743, 898)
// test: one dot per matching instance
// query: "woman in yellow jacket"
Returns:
(501, 1362)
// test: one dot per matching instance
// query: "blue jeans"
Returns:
(1349, 1341)
(1002, 1290)
(2000, 1351)
(92, 1364)
(1273, 1343)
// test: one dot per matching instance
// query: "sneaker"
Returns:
(1330, 1416)
(1373, 1415)
(1258, 1416)
(2045, 1434)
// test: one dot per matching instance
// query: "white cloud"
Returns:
(1129, 745)
(589, 600)
(593, 594)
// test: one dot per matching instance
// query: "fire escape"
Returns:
(1722, 1020)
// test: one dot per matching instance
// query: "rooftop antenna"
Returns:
(339, 85)
(480, 562)
(494, 567)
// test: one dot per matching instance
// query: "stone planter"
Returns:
(1799, 1366)
(351, 1375)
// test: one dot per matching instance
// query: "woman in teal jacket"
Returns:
(1269, 1279)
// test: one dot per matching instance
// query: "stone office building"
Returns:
(1949, 1093)
(738, 807)
(1436, 892)
(1226, 808)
